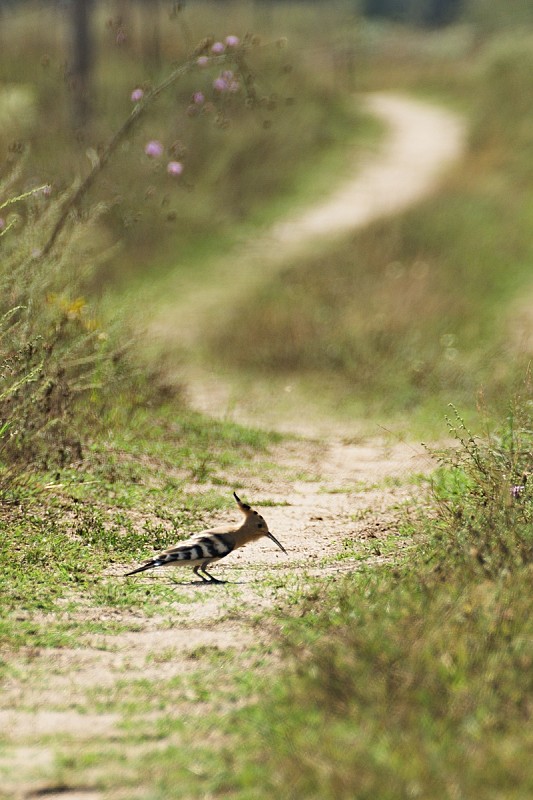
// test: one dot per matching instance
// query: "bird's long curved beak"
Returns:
(271, 536)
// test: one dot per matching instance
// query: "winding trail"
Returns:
(422, 141)
(335, 503)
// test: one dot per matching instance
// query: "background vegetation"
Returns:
(237, 157)
(65, 341)
(409, 679)
(454, 329)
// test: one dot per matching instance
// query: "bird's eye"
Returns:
(259, 524)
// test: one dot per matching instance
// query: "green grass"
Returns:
(417, 309)
(64, 529)
(401, 686)
(410, 677)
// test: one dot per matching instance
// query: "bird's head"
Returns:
(255, 523)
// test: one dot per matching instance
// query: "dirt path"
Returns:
(342, 512)
(335, 504)
(420, 143)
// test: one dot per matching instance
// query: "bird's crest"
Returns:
(245, 508)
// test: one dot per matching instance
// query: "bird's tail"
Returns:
(184, 552)
(142, 569)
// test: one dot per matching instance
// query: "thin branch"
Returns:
(23, 196)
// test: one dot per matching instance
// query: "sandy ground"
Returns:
(341, 514)
(343, 510)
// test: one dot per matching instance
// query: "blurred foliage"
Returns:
(236, 156)
(415, 12)
(415, 307)
(54, 349)
(498, 16)
(503, 118)
(489, 16)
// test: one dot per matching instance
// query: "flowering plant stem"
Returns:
(137, 112)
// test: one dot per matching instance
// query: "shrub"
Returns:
(485, 501)
(53, 348)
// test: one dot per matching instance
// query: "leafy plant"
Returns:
(53, 348)
(484, 499)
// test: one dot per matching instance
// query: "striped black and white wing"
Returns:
(202, 548)
(211, 546)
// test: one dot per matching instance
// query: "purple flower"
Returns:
(198, 98)
(517, 491)
(232, 84)
(154, 149)
(137, 95)
(226, 82)
(202, 61)
(121, 36)
(47, 190)
(232, 41)
(220, 84)
(218, 48)
(174, 168)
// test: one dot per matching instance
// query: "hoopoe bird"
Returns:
(211, 545)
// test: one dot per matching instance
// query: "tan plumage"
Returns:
(212, 545)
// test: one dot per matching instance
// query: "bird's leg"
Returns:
(195, 570)
(212, 579)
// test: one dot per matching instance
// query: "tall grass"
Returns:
(55, 351)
